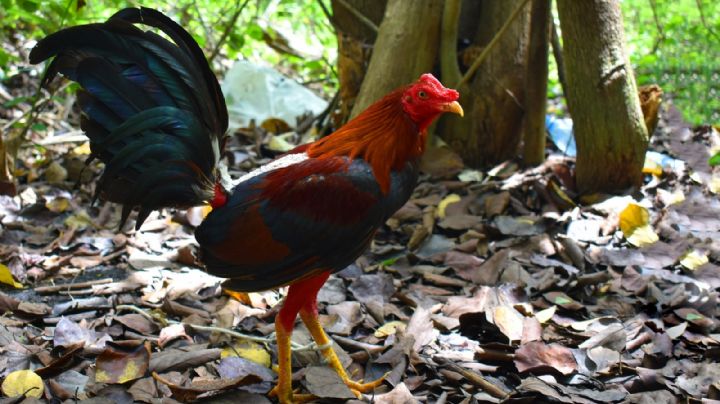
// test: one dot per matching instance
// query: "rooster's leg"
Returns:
(309, 316)
(298, 296)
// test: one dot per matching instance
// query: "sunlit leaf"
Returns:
(543, 316)
(7, 278)
(23, 383)
(509, 321)
(83, 149)
(635, 224)
(470, 176)
(676, 331)
(280, 144)
(714, 185)
(248, 350)
(695, 176)
(694, 259)
(58, 205)
(670, 198)
(442, 206)
(652, 167)
(389, 328)
(122, 361)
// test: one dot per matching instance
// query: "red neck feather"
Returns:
(383, 135)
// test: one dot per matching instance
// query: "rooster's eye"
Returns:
(422, 95)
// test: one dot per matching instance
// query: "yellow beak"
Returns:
(453, 107)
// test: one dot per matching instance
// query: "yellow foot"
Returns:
(290, 397)
(359, 387)
(365, 387)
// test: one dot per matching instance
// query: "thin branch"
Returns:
(328, 14)
(138, 310)
(201, 19)
(483, 55)
(473, 377)
(658, 26)
(360, 16)
(226, 32)
(558, 55)
(704, 21)
(69, 286)
(229, 332)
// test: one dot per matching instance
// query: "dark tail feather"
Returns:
(153, 109)
(183, 39)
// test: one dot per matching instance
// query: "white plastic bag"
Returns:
(258, 92)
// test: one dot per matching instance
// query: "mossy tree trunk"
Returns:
(602, 97)
(406, 47)
(494, 103)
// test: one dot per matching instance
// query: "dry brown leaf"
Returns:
(324, 382)
(202, 388)
(538, 357)
(509, 321)
(421, 328)
(122, 361)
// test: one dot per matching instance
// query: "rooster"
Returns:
(156, 117)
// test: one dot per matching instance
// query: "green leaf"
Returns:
(38, 127)
(693, 317)
(714, 160)
(390, 261)
(255, 32)
(29, 6)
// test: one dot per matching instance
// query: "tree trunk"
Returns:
(406, 47)
(602, 97)
(494, 105)
(537, 82)
(355, 35)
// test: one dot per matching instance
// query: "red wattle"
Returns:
(220, 197)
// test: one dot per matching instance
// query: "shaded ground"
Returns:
(495, 287)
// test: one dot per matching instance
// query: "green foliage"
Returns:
(676, 44)
(671, 42)
(303, 23)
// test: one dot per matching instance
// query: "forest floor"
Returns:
(497, 287)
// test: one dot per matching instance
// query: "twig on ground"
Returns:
(264, 340)
(71, 286)
(473, 377)
(593, 278)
